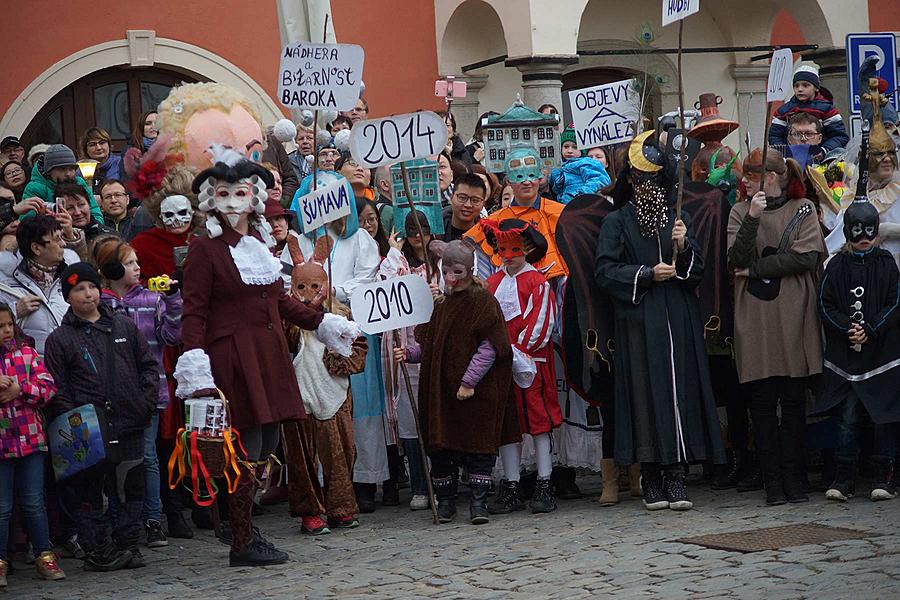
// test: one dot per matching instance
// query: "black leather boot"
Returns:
(508, 499)
(563, 479)
(480, 486)
(445, 490)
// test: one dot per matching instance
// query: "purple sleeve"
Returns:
(414, 353)
(480, 364)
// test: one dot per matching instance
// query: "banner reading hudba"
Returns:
(605, 114)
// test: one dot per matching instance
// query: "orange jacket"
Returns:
(544, 219)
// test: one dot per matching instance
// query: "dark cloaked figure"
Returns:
(665, 410)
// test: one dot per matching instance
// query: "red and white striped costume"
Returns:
(529, 306)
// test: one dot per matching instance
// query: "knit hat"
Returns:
(35, 150)
(807, 71)
(568, 135)
(58, 155)
(75, 274)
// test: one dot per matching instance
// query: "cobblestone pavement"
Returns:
(580, 551)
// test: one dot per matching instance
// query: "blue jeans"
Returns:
(853, 418)
(24, 477)
(152, 505)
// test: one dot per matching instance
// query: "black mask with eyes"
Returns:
(860, 222)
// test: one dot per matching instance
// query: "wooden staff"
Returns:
(680, 197)
(415, 412)
(409, 391)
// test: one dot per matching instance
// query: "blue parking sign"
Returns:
(859, 47)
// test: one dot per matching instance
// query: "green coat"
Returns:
(42, 187)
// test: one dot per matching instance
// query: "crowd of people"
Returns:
(170, 276)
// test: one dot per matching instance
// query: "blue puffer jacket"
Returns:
(581, 175)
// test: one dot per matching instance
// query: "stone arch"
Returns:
(141, 48)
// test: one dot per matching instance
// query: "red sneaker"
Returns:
(314, 525)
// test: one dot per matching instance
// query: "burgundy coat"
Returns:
(239, 326)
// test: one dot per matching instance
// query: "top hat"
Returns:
(711, 127)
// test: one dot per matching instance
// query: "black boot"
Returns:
(258, 554)
(480, 486)
(107, 557)
(390, 489)
(543, 500)
(885, 487)
(508, 499)
(751, 478)
(563, 479)
(770, 461)
(652, 486)
(445, 490)
(675, 490)
(728, 478)
(365, 496)
(843, 486)
(527, 481)
(178, 527)
(793, 463)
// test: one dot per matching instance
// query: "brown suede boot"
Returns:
(634, 475)
(610, 474)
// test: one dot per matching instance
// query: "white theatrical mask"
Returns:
(233, 199)
(176, 212)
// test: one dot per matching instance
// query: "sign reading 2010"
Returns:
(392, 304)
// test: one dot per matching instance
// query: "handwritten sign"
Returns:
(780, 84)
(676, 10)
(325, 205)
(604, 114)
(320, 76)
(392, 304)
(398, 138)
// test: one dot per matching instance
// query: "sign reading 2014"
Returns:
(320, 76)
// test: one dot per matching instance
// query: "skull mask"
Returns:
(176, 212)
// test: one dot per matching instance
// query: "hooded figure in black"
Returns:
(649, 263)
(859, 301)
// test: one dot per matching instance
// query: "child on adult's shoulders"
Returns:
(809, 97)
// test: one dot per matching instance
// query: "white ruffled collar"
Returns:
(255, 262)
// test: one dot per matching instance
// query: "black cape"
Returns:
(870, 280)
(587, 313)
(664, 405)
(709, 210)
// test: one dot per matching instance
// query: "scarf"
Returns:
(42, 276)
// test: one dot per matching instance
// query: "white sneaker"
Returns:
(419, 502)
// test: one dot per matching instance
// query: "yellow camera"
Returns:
(159, 284)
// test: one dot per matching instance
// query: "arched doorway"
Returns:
(111, 98)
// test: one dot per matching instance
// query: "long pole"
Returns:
(681, 151)
(415, 412)
(765, 147)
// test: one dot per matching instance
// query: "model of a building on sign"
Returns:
(520, 127)
(425, 191)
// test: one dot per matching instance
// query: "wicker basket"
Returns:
(212, 449)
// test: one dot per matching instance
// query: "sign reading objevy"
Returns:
(326, 204)
(397, 138)
(675, 10)
(391, 304)
(604, 114)
(320, 76)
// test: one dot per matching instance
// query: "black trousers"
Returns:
(779, 443)
(445, 463)
(120, 476)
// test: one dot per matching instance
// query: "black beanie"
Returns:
(75, 274)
